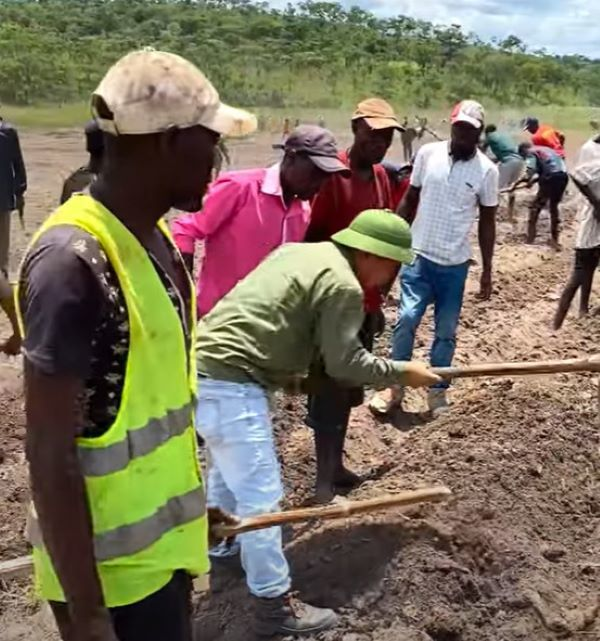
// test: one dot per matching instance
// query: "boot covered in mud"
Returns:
(387, 400)
(287, 615)
(437, 401)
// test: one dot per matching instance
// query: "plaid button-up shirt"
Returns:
(451, 192)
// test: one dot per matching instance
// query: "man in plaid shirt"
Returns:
(451, 183)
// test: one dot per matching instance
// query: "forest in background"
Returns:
(309, 55)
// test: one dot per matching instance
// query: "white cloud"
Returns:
(559, 26)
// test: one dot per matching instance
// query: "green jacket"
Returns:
(301, 304)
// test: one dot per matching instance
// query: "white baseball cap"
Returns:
(469, 111)
(151, 91)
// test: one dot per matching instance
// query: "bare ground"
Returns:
(515, 555)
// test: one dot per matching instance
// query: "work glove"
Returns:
(418, 374)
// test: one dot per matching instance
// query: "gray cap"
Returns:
(318, 144)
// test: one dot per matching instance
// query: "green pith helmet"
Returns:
(380, 232)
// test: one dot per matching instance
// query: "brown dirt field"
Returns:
(514, 556)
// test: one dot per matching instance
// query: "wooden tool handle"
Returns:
(334, 511)
(520, 369)
(508, 190)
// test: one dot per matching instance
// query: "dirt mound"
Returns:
(513, 555)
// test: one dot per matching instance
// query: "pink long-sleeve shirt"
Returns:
(243, 219)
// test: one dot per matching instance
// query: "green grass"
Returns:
(47, 116)
(74, 115)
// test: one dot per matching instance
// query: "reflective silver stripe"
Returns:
(130, 539)
(106, 460)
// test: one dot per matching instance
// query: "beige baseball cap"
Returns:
(151, 91)
(377, 113)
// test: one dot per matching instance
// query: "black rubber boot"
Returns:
(342, 476)
(325, 449)
(286, 615)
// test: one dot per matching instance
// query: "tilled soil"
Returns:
(514, 555)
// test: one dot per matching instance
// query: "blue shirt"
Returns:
(545, 162)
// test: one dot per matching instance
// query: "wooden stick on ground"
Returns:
(15, 568)
(520, 369)
(334, 511)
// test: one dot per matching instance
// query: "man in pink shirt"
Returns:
(247, 214)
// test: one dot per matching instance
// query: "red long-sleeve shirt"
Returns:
(340, 200)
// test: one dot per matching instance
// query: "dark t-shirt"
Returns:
(76, 318)
(545, 162)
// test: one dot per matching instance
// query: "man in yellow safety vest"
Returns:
(108, 313)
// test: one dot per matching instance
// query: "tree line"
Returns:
(313, 54)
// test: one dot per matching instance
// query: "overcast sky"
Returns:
(560, 26)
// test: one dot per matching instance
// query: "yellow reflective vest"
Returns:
(142, 476)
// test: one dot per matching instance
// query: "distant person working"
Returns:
(510, 164)
(13, 185)
(548, 169)
(545, 135)
(586, 177)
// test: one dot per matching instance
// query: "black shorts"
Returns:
(587, 260)
(553, 189)
(165, 615)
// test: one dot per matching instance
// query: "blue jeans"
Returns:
(244, 476)
(421, 284)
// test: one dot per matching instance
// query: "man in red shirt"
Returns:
(545, 135)
(336, 205)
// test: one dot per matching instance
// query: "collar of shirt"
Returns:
(271, 184)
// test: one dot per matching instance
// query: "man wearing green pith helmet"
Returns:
(304, 302)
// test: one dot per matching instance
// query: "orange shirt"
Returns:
(547, 136)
